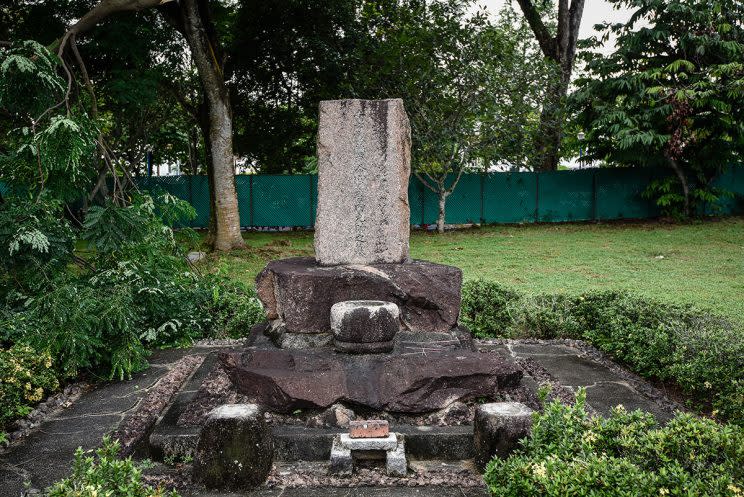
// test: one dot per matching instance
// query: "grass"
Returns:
(700, 263)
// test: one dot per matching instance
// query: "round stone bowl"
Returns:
(364, 326)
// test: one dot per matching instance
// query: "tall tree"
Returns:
(449, 66)
(285, 56)
(193, 19)
(671, 95)
(559, 46)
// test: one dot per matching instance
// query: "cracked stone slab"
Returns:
(604, 396)
(575, 371)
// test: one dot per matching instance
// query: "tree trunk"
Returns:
(561, 49)
(442, 204)
(226, 233)
(683, 181)
(551, 126)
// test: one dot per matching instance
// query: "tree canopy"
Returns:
(671, 95)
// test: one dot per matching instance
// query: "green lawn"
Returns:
(701, 263)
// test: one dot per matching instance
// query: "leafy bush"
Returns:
(700, 352)
(488, 308)
(25, 377)
(234, 308)
(135, 291)
(35, 244)
(105, 475)
(569, 453)
(84, 328)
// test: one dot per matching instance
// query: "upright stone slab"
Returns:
(364, 161)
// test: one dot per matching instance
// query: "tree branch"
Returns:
(105, 8)
(547, 42)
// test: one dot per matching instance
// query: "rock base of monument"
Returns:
(298, 293)
(417, 377)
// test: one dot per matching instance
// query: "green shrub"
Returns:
(105, 475)
(25, 378)
(134, 292)
(544, 316)
(703, 354)
(570, 453)
(84, 328)
(487, 308)
(234, 308)
(35, 244)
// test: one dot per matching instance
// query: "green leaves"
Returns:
(104, 474)
(678, 82)
(680, 65)
(50, 142)
(28, 80)
(110, 228)
(569, 452)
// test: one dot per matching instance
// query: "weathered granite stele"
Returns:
(364, 160)
(362, 231)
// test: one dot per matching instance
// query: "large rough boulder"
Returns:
(235, 448)
(300, 292)
(285, 380)
(364, 161)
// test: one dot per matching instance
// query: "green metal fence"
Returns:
(559, 196)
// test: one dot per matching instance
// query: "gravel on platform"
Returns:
(315, 475)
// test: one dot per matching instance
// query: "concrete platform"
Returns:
(46, 455)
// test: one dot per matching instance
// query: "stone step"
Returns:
(449, 443)
(299, 443)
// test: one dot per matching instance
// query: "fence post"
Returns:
(191, 194)
(422, 192)
(594, 195)
(483, 197)
(250, 200)
(537, 196)
(312, 201)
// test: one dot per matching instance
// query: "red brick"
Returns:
(370, 428)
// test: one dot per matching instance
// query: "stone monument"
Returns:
(362, 323)
(362, 233)
(364, 161)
